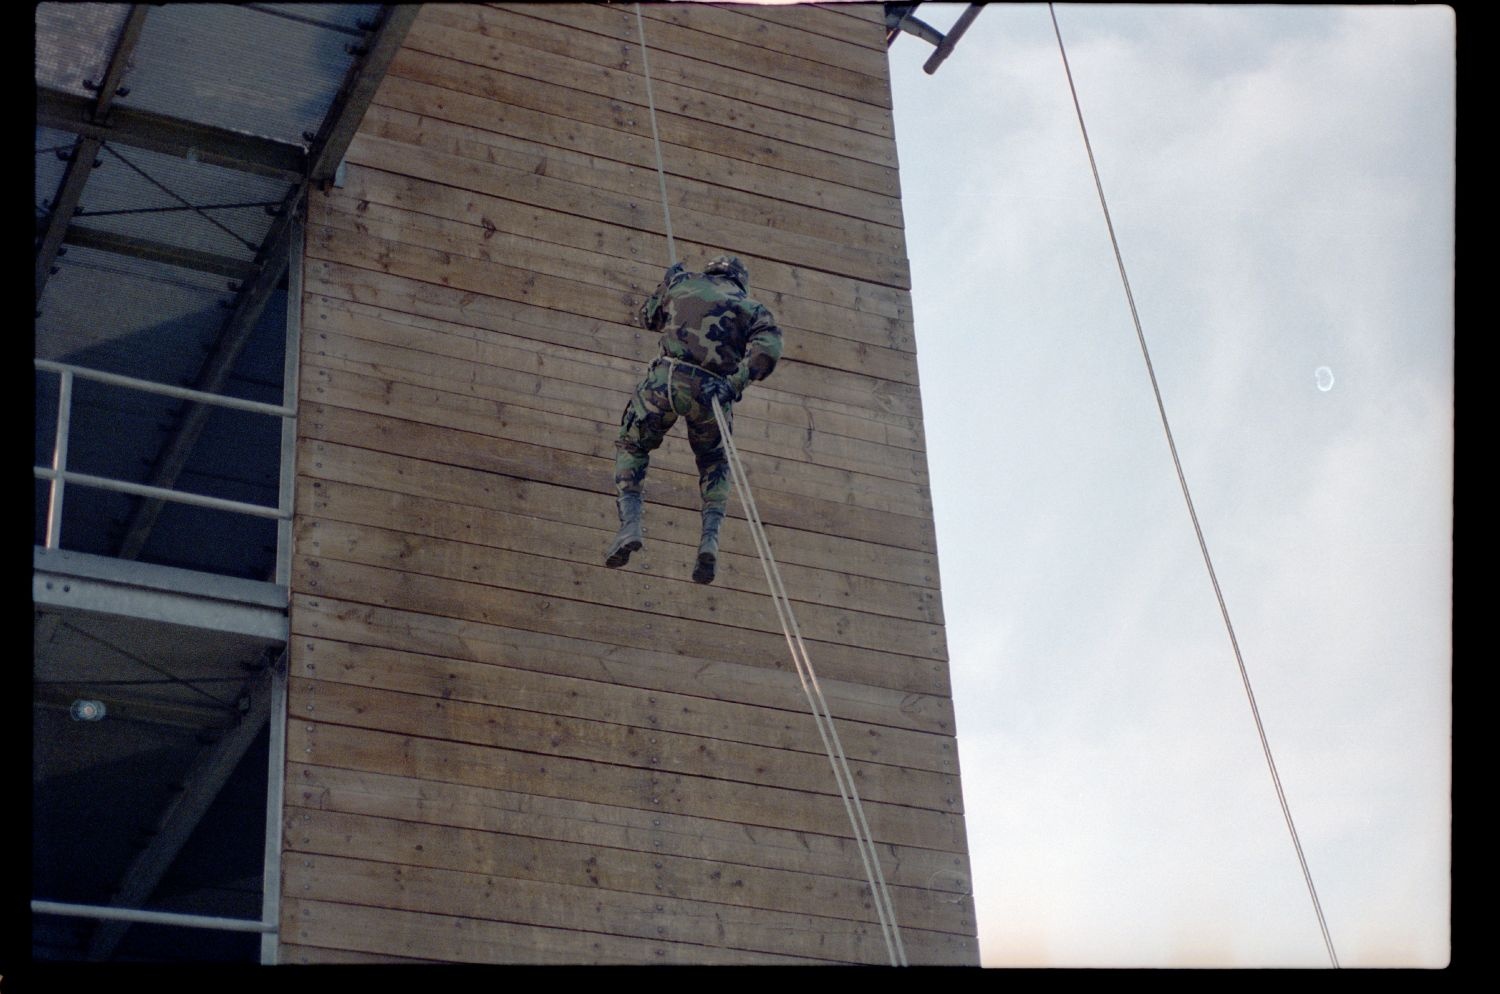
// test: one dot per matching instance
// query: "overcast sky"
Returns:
(1281, 180)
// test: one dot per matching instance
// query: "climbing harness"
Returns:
(822, 717)
(1192, 512)
(673, 363)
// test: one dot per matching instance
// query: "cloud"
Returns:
(1281, 182)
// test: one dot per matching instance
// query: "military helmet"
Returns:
(728, 265)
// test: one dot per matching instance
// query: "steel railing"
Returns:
(60, 476)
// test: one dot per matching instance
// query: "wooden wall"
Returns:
(498, 749)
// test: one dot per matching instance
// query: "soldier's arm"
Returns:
(762, 348)
(653, 310)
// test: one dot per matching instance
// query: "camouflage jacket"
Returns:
(711, 321)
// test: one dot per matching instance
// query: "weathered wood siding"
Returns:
(499, 750)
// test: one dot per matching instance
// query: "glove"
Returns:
(650, 312)
(721, 391)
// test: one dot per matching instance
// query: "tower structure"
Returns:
(495, 749)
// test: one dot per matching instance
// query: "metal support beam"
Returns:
(172, 255)
(290, 378)
(945, 47)
(152, 917)
(270, 907)
(178, 447)
(354, 97)
(172, 136)
(337, 130)
(899, 17)
(70, 190)
(77, 581)
(201, 785)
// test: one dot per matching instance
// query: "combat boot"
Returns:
(629, 538)
(708, 545)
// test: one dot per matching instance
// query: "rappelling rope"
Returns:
(661, 173)
(1182, 481)
(822, 717)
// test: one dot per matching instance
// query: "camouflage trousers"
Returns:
(669, 391)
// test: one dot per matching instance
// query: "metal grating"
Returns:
(74, 42)
(130, 316)
(240, 68)
(177, 202)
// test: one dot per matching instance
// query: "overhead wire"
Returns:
(1192, 512)
(817, 703)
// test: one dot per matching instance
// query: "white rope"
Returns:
(1161, 408)
(822, 716)
(843, 777)
(661, 173)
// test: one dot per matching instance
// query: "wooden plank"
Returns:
(574, 530)
(690, 673)
(541, 761)
(740, 190)
(803, 341)
(826, 473)
(811, 400)
(395, 549)
(789, 514)
(830, 19)
(557, 380)
(619, 24)
(299, 955)
(373, 751)
(641, 871)
(760, 91)
(937, 876)
(425, 675)
(522, 372)
(842, 563)
(843, 387)
(513, 526)
(642, 629)
(493, 417)
(594, 474)
(643, 745)
(593, 909)
(739, 23)
(566, 88)
(527, 179)
(595, 64)
(470, 127)
(870, 13)
(444, 411)
(775, 284)
(457, 939)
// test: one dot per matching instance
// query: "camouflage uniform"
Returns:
(711, 330)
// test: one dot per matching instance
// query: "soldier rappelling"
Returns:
(715, 340)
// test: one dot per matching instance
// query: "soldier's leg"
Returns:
(714, 483)
(642, 427)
